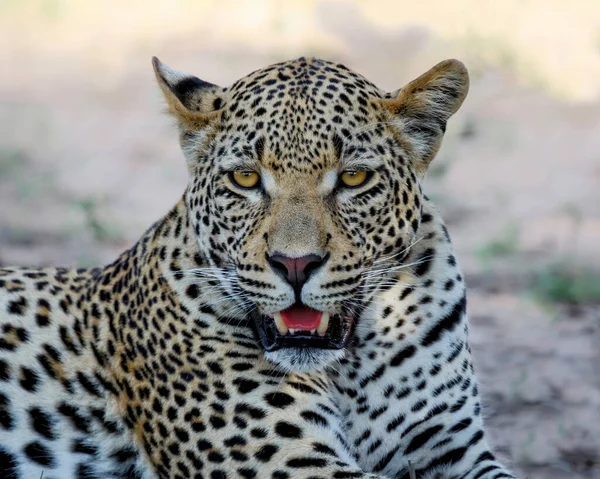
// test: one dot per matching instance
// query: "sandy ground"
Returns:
(87, 162)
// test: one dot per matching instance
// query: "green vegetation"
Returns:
(18, 171)
(526, 450)
(505, 244)
(102, 230)
(12, 162)
(518, 385)
(566, 282)
(438, 169)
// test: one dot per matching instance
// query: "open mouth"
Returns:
(302, 327)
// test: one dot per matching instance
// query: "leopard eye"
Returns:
(354, 178)
(245, 179)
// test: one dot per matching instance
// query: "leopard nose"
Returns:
(296, 271)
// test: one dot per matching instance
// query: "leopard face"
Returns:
(304, 189)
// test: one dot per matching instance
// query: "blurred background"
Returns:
(88, 161)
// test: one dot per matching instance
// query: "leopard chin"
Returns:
(304, 360)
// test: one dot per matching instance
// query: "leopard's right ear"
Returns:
(193, 102)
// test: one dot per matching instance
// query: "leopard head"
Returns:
(304, 178)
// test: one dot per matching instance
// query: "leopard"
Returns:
(299, 313)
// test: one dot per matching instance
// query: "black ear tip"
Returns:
(156, 63)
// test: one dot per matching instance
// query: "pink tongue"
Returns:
(301, 317)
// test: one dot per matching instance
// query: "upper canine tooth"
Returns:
(281, 327)
(323, 324)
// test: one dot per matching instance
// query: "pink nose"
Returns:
(296, 271)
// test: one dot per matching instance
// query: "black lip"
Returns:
(337, 336)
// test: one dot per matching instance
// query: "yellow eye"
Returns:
(245, 179)
(354, 178)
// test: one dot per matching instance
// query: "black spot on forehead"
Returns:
(300, 113)
(309, 78)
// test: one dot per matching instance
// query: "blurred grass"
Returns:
(20, 176)
(506, 243)
(102, 230)
(17, 171)
(12, 162)
(566, 282)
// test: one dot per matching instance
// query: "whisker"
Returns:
(388, 258)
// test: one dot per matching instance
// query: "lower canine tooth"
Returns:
(281, 327)
(323, 324)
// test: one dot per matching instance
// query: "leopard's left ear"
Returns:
(423, 107)
(193, 102)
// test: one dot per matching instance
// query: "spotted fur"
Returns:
(149, 368)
